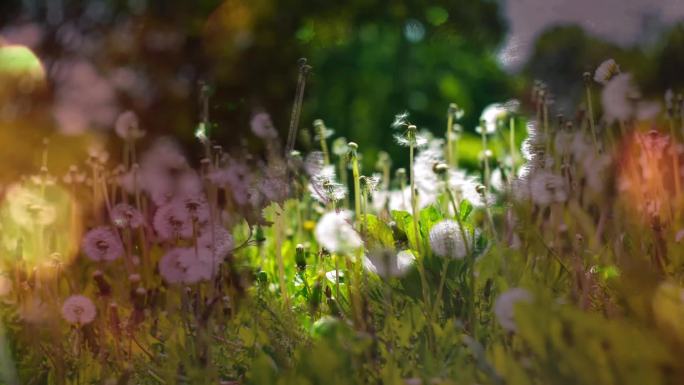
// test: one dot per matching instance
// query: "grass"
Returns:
(563, 267)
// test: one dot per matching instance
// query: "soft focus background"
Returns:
(68, 68)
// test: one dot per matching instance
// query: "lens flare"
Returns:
(41, 227)
(647, 169)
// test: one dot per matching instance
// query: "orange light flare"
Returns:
(41, 229)
(648, 161)
(40, 218)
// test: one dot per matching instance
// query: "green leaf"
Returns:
(404, 221)
(428, 217)
(379, 231)
(464, 209)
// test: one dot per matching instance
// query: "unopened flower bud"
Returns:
(300, 257)
(103, 287)
(440, 168)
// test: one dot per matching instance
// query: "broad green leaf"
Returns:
(465, 208)
(379, 231)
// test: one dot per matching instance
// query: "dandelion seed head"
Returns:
(388, 264)
(546, 188)
(504, 306)
(217, 241)
(170, 267)
(79, 310)
(172, 221)
(102, 244)
(262, 126)
(324, 188)
(456, 111)
(606, 71)
(127, 126)
(200, 266)
(400, 120)
(322, 132)
(493, 113)
(236, 178)
(617, 98)
(335, 233)
(126, 216)
(339, 146)
(314, 163)
(28, 208)
(274, 185)
(447, 241)
(466, 187)
(370, 183)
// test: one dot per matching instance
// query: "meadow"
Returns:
(545, 249)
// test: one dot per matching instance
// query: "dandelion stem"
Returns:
(320, 127)
(279, 257)
(440, 288)
(449, 134)
(590, 109)
(485, 157)
(357, 181)
(457, 216)
(414, 198)
(471, 273)
(304, 70)
(511, 137)
(337, 277)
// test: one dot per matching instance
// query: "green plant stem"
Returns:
(421, 267)
(440, 288)
(471, 313)
(344, 179)
(279, 257)
(513, 151)
(457, 216)
(364, 210)
(324, 144)
(547, 131)
(357, 186)
(449, 135)
(486, 159)
(337, 277)
(590, 117)
(414, 198)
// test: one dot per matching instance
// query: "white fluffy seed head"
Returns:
(446, 240)
(335, 232)
(504, 306)
(388, 264)
(606, 71)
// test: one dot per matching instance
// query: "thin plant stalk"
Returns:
(344, 178)
(450, 134)
(279, 231)
(511, 137)
(321, 131)
(353, 157)
(485, 155)
(414, 199)
(590, 109)
(304, 70)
